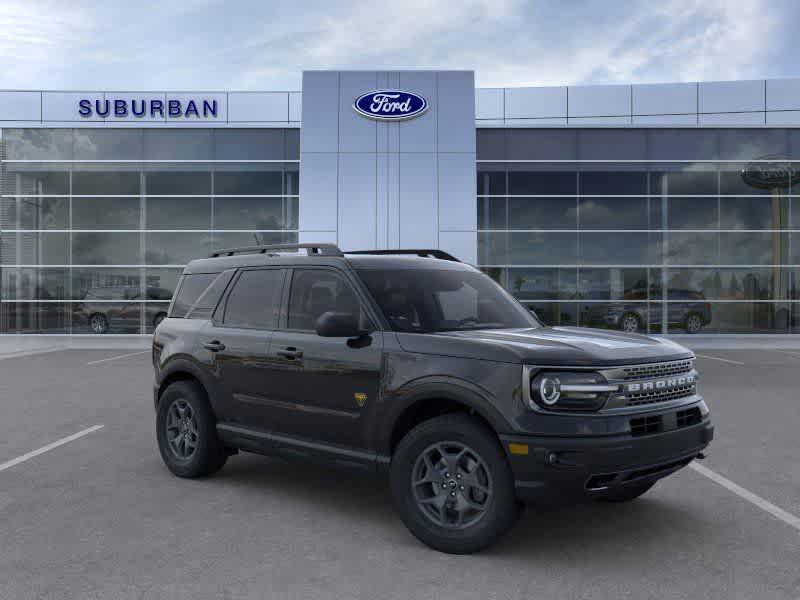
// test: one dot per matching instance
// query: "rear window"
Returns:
(189, 291)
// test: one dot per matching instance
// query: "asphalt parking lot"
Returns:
(99, 516)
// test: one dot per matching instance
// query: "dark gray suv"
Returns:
(410, 363)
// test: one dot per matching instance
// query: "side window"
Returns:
(316, 291)
(189, 291)
(254, 300)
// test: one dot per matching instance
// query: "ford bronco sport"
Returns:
(412, 363)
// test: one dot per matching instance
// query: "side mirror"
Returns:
(338, 324)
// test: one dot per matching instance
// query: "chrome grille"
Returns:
(657, 369)
(660, 396)
(655, 372)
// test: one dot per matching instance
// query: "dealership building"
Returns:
(659, 208)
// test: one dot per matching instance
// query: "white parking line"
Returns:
(32, 352)
(727, 360)
(102, 360)
(48, 447)
(758, 501)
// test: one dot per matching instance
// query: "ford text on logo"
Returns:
(153, 108)
(390, 105)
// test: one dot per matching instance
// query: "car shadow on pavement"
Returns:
(619, 531)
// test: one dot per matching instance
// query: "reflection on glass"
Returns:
(106, 248)
(243, 183)
(178, 213)
(98, 183)
(254, 238)
(542, 284)
(493, 213)
(692, 248)
(614, 283)
(255, 213)
(33, 317)
(754, 248)
(624, 248)
(177, 183)
(94, 316)
(555, 314)
(40, 248)
(106, 284)
(105, 213)
(175, 248)
(542, 213)
(35, 284)
(38, 213)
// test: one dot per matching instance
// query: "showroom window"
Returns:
(102, 221)
(588, 226)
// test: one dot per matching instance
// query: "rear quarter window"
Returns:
(192, 286)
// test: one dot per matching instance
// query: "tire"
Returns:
(487, 510)
(625, 493)
(630, 323)
(693, 323)
(158, 318)
(98, 323)
(208, 455)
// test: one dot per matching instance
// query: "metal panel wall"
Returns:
(389, 184)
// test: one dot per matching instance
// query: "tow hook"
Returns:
(700, 456)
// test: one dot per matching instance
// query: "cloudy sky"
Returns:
(265, 44)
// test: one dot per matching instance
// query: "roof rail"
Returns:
(424, 252)
(311, 250)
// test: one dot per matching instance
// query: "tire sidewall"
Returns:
(209, 455)
(502, 510)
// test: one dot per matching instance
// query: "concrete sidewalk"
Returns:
(19, 345)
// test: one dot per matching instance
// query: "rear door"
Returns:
(322, 386)
(235, 342)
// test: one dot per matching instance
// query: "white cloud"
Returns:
(253, 44)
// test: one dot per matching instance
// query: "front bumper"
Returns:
(559, 469)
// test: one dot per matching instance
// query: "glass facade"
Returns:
(97, 224)
(657, 230)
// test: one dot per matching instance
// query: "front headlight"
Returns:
(568, 390)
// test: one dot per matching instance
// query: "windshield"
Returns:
(430, 300)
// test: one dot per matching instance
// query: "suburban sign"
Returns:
(200, 108)
(390, 105)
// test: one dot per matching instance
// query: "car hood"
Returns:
(568, 346)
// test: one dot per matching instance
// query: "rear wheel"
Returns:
(625, 493)
(98, 323)
(452, 484)
(187, 433)
(629, 323)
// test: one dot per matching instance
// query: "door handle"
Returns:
(214, 346)
(290, 353)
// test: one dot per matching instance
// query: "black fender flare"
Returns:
(439, 387)
(185, 364)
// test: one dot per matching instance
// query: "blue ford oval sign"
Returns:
(390, 105)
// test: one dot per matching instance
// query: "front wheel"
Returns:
(629, 323)
(452, 484)
(693, 323)
(98, 323)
